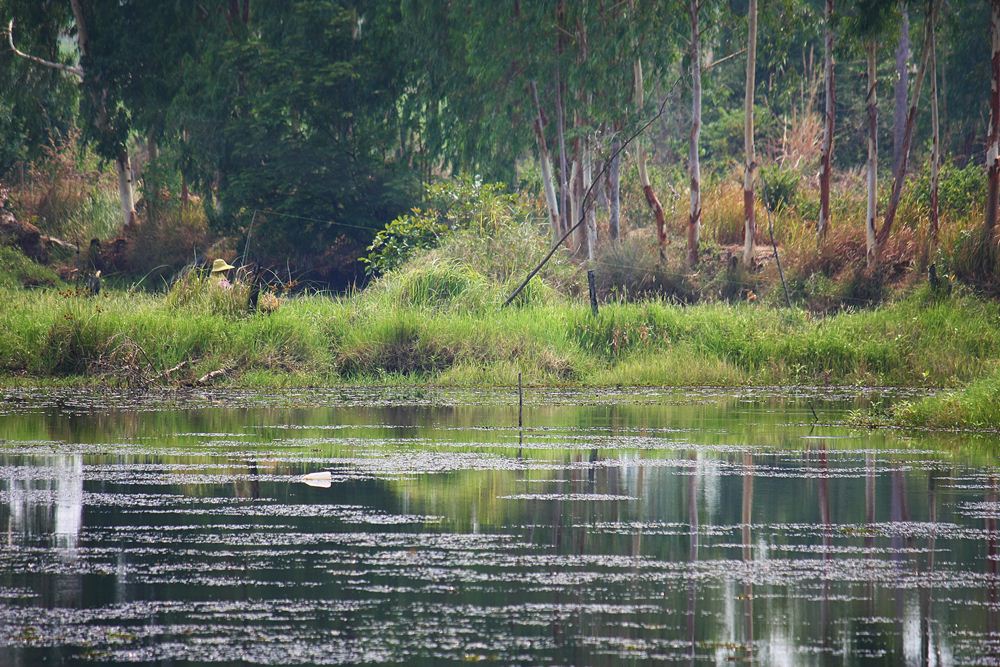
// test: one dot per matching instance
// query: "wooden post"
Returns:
(592, 286)
(520, 402)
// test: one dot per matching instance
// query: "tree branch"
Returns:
(69, 69)
(705, 68)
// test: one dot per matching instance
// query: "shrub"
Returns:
(631, 270)
(16, 270)
(451, 205)
(172, 236)
(393, 245)
(779, 187)
(68, 194)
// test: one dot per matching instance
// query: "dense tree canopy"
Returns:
(322, 116)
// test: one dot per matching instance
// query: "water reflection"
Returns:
(595, 535)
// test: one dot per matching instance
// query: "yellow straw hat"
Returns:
(221, 265)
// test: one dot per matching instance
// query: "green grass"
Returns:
(365, 338)
(16, 270)
(976, 406)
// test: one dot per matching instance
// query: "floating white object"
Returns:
(323, 479)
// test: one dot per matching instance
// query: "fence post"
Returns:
(592, 286)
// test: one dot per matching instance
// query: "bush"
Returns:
(492, 239)
(172, 236)
(69, 195)
(961, 190)
(16, 270)
(779, 187)
(393, 245)
(451, 205)
(631, 270)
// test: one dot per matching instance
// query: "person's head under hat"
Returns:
(221, 266)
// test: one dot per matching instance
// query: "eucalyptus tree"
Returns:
(694, 161)
(935, 210)
(868, 23)
(829, 121)
(750, 160)
(902, 85)
(102, 70)
(899, 177)
(993, 139)
(39, 104)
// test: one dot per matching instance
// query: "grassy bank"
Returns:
(380, 337)
(975, 406)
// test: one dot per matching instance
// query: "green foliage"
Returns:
(452, 204)
(632, 270)
(961, 190)
(16, 270)
(722, 136)
(396, 243)
(68, 195)
(194, 290)
(39, 104)
(976, 406)
(780, 187)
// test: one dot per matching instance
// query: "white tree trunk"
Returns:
(123, 167)
(932, 233)
(826, 162)
(590, 213)
(614, 191)
(575, 194)
(902, 88)
(694, 162)
(750, 167)
(548, 185)
(899, 177)
(871, 104)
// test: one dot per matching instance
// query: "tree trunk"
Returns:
(640, 158)
(123, 168)
(750, 168)
(932, 232)
(826, 165)
(576, 196)
(590, 211)
(911, 117)
(564, 181)
(871, 104)
(993, 142)
(543, 157)
(614, 191)
(694, 164)
(901, 90)
(564, 194)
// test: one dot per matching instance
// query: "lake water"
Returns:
(617, 528)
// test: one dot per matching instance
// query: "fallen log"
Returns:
(210, 376)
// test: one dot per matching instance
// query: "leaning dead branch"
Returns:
(74, 70)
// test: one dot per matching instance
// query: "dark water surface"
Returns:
(623, 528)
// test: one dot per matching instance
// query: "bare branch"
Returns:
(724, 59)
(69, 69)
(587, 199)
